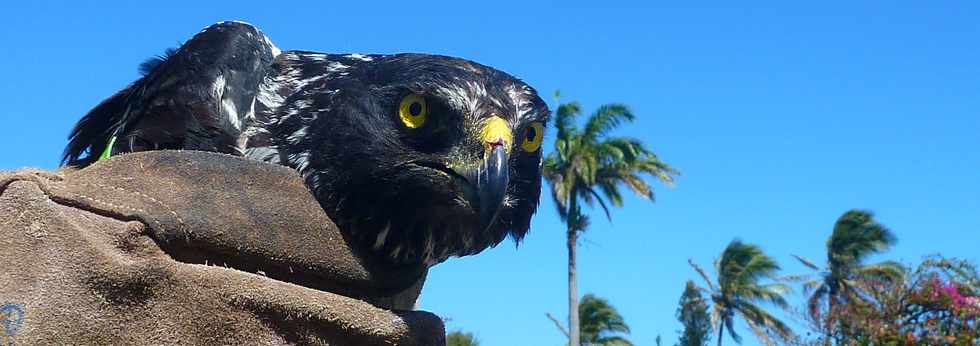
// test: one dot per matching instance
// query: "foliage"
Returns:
(692, 312)
(601, 324)
(856, 235)
(587, 161)
(738, 292)
(460, 338)
(939, 303)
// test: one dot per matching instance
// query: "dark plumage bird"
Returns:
(417, 157)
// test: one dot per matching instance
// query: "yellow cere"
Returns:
(413, 111)
(533, 137)
(496, 129)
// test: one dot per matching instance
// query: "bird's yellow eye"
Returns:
(413, 111)
(533, 137)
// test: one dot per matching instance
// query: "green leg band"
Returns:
(108, 149)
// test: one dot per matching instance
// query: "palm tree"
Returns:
(856, 236)
(601, 324)
(588, 161)
(738, 292)
(460, 338)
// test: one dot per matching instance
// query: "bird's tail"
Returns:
(91, 135)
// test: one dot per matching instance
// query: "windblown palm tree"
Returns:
(601, 324)
(738, 292)
(460, 338)
(588, 164)
(856, 236)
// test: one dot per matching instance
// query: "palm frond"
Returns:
(601, 202)
(730, 325)
(759, 266)
(632, 153)
(611, 341)
(610, 188)
(810, 285)
(565, 119)
(857, 235)
(639, 186)
(599, 321)
(460, 338)
(761, 334)
(807, 262)
(753, 314)
(772, 293)
(704, 275)
(552, 172)
(888, 271)
(794, 277)
(606, 118)
(742, 264)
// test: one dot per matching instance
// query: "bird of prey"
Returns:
(417, 157)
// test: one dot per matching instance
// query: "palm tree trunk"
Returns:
(721, 329)
(573, 324)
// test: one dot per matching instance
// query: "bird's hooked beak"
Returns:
(493, 177)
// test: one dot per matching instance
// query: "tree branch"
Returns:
(557, 324)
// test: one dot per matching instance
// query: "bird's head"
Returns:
(416, 157)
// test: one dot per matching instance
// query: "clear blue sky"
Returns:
(780, 116)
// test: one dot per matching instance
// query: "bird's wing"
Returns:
(196, 97)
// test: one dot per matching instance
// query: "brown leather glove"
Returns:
(133, 250)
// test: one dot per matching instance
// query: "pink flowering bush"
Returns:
(956, 296)
(937, 304)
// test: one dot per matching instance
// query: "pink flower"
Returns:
(973, 301)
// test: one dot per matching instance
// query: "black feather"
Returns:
(177, 103)
(91, 134)
(151, 64)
